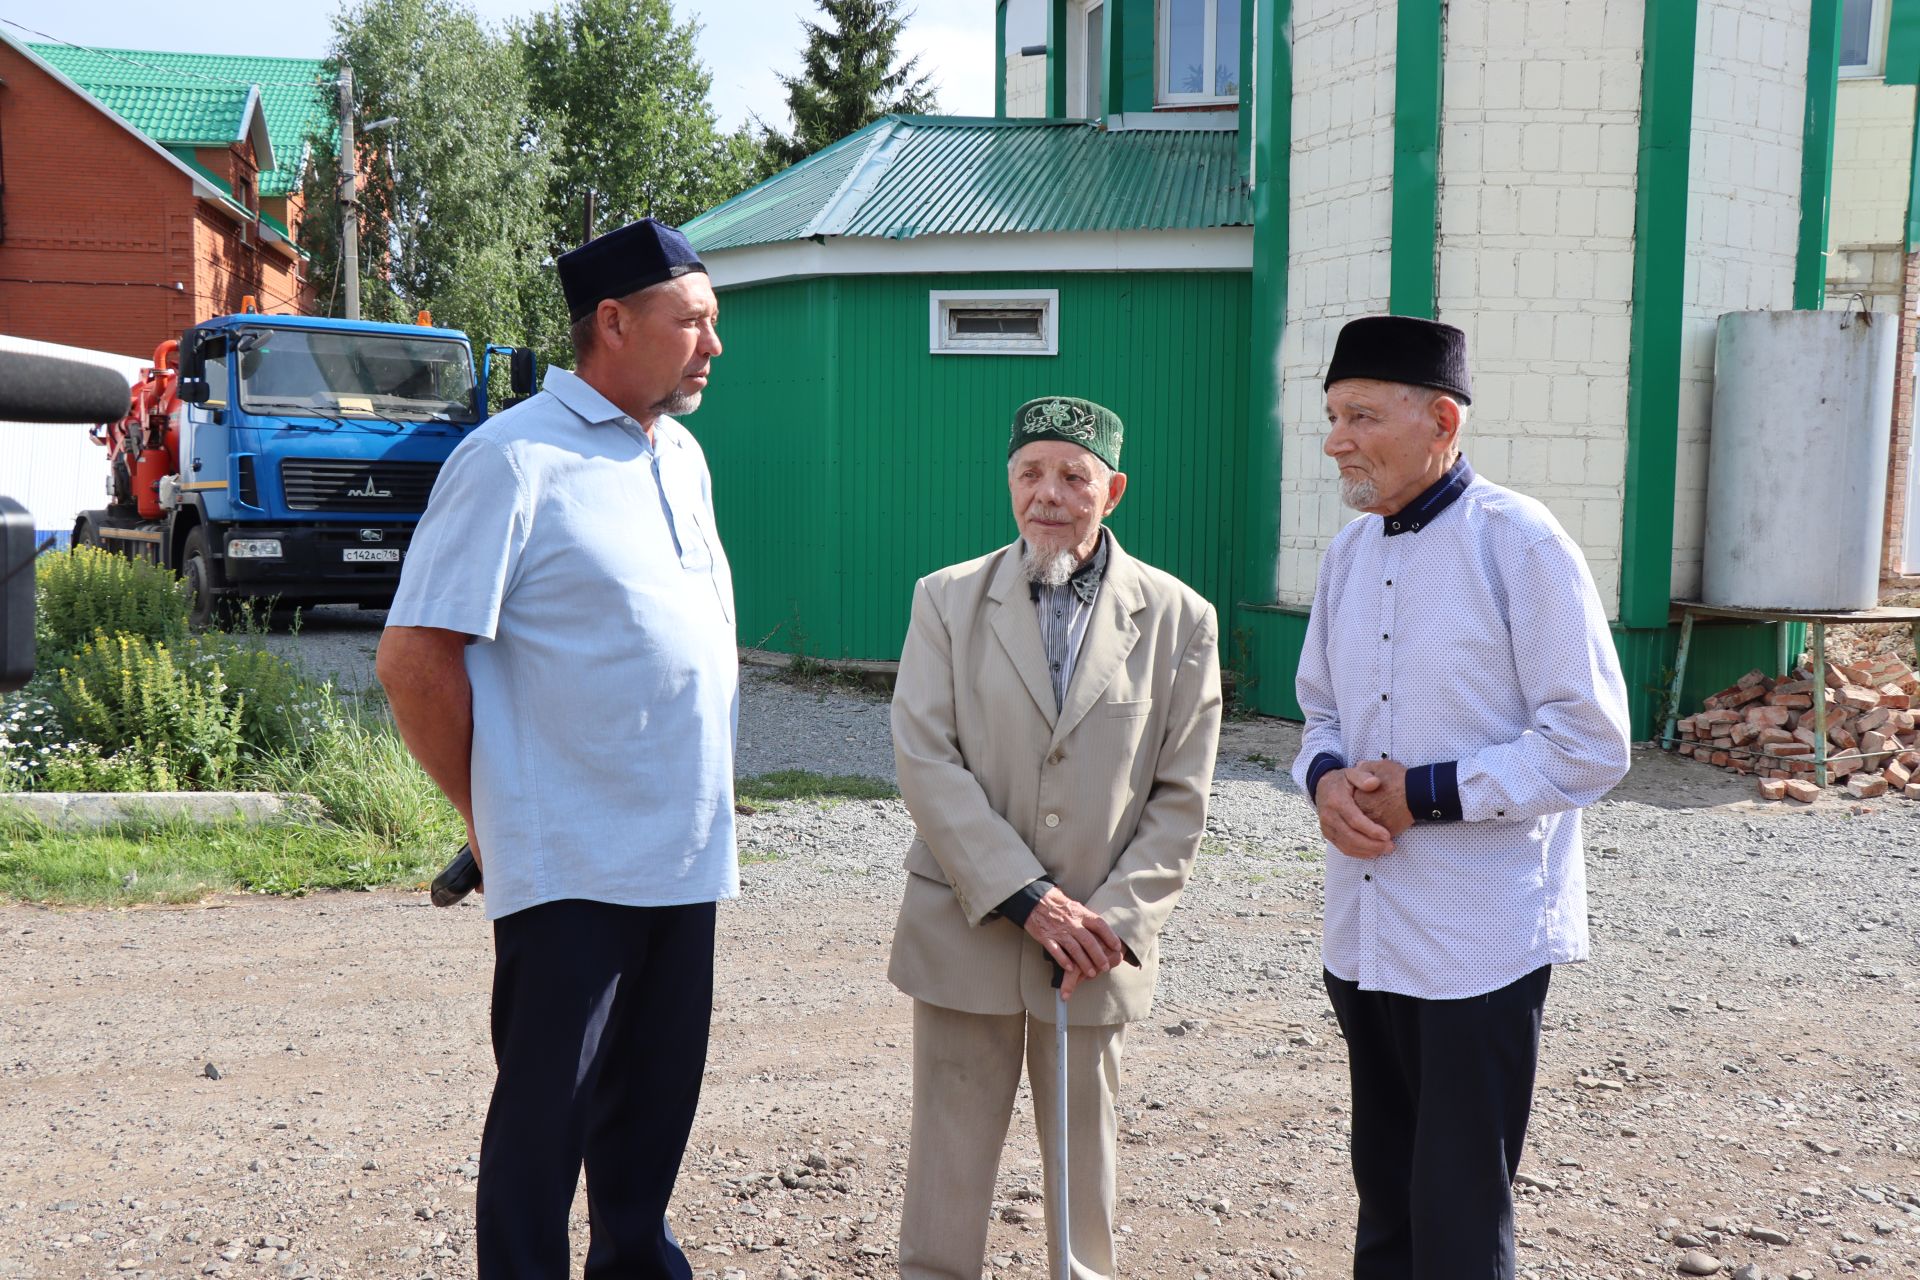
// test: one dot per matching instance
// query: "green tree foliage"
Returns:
(617, 89)
(453, 196)
(849, 77)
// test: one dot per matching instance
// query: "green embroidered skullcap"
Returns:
(1093, 427)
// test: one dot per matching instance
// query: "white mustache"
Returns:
(1041, 511)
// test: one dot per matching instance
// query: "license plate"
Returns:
(371, 555)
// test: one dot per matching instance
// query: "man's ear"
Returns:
(1116, 485)
(613, 322)
(1446, 418)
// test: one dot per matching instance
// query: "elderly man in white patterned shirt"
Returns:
(1464, 702)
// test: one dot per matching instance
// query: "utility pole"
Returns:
(349, 203)
(586, 233)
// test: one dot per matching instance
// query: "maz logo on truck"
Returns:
(370, 491)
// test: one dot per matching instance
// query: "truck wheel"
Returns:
(205, 609)
(86, 535)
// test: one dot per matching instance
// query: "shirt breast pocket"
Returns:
(1127, 710)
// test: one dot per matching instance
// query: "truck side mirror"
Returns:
(194, 391)
(16, 595)
(194, 349)
(520, 372)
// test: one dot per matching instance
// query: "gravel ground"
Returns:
(1733, 1075)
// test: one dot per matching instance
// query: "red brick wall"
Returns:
(105, 243)
(1903, 398)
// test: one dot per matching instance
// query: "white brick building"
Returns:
(1584, 186)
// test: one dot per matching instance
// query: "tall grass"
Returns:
(364, 780)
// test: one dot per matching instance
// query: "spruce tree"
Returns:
(849, 77)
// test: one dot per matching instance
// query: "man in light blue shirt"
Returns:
(560, 657)
(1463, 704)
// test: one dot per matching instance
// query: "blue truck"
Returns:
(287, 459)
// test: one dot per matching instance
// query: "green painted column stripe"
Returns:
(1057, 59)
(1659, 300)
(1134, 74)
(1000, 60)
(1271, 87)
(1416, 157)
(1816, 155)
(1903, 43)
(1913, 185)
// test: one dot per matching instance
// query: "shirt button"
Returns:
(1384, 756)
(1053, 819)
(1499, 813)
(1396, 526)
(1383, 697)
(1386, 635)
(1369, 878)
(1389, 581)
(1436, 813)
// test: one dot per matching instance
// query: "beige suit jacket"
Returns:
(1107, 797)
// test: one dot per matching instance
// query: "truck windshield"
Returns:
(374, 375)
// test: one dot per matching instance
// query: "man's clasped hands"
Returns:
(1363, 809)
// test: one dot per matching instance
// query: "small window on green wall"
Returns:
(994, 322)
(1863, 37)
(1199, 46)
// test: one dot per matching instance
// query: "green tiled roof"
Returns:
(905, 176)
(178, 115)
(189, 99)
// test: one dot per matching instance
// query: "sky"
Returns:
(746, 44)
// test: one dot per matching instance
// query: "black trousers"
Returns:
(600, 1018)
(1441, 1094)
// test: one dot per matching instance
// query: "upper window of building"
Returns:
(1199, 51)
(1863, 37)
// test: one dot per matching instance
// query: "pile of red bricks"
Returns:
(1765, 726)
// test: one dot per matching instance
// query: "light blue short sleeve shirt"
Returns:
(585, 560)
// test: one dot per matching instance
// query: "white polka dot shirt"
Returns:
(1463, 638)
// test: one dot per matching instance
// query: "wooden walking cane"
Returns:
(1064, 1262)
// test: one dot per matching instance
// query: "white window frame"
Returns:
(941, 301)
(1163, 45)
(1082, 23)
(1876, 64)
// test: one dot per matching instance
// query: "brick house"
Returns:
(1179, 203)
(142, 192)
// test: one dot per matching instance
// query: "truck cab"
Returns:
(301, 452)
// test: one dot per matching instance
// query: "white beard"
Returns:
(679, 404)
(1359, 494)
(1048, 568)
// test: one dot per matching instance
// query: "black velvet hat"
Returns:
(1421, 353)
(620, 262)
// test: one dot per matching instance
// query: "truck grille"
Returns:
(318, 484)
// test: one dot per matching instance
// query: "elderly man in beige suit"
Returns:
(1054, 726)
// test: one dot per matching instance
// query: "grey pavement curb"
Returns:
(102, 808)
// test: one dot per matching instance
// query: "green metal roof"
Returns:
(178, 115)
(906, 176)
(188, 99)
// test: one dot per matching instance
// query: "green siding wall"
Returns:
(1265, 643)
(848, 461)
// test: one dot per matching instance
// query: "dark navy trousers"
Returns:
(1441, 1094)
(600, 1017)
